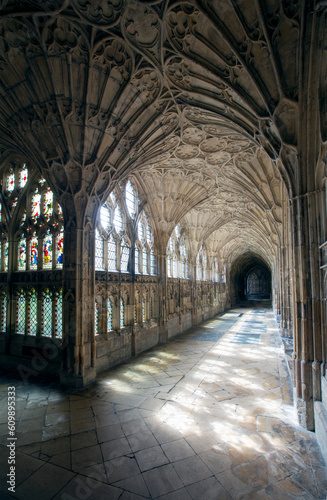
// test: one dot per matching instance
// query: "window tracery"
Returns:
(177, 256)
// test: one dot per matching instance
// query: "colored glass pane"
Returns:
(60, 249)
(47, 250)
(34, 252)
(59, 211)
(47, 314)
(22, 254)
(48, 204)
(6, 255)
(23, 174)
(122, 314)
(10, 185)
(0, 212)
(36, 205)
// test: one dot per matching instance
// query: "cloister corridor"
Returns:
(208, 416)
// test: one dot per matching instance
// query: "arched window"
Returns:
(122, 314)
(109, 315)
(174, 257)
(144, 247)
(29, 210)
(111, 247)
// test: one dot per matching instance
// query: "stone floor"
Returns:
(206, 417)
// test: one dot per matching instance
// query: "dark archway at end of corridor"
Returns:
(250, 279)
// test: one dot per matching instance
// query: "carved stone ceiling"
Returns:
(196, 99)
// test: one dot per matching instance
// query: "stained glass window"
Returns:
(96, 318)
(22, 254)
(58, 315)
(60, 249)
(0, 212)
(112, 253)
(137, 259)
(122, 313)
(34, 252)
(143, 310)
(59, 210)
(109, 315)
(23, 174)
(46, 329)
(47, 251)
(145, 261)
(3, 312)
(48, 204)
(21, 314)
(99, 252)
(32, 313)
(105, 218)
(23, 219)
(36, 205)
(6, 255)
(124, 257)
(118, 220)
(10, 185)
(130, 199)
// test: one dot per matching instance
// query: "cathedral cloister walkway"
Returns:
(208, 416)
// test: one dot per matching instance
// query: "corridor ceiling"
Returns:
(197, 100)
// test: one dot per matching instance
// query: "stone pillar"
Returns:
(78, 360)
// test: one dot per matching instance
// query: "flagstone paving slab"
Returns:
(208, 416)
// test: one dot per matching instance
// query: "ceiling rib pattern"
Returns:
(195, 99)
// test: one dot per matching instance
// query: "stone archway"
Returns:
(258, 284)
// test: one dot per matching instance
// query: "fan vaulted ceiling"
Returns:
(197, 100)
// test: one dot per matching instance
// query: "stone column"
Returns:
(78, 365)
